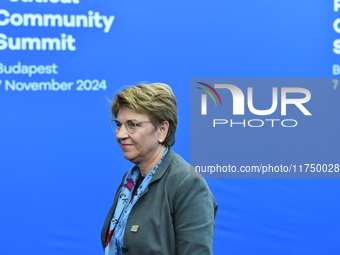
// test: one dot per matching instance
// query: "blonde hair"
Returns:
(156, 100)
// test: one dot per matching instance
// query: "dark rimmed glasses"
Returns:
(130, 125)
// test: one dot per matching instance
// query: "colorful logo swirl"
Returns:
(209, 93)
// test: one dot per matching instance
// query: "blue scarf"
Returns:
(115, 236)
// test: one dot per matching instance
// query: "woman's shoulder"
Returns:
(180, 170)
(178, 166)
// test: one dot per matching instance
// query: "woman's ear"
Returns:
(163, 130)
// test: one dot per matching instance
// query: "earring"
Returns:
(160, 140)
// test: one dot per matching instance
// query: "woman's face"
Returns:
(141, 146)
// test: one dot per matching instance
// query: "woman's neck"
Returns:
(145, 169)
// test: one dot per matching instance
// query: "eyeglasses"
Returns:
(130, 125)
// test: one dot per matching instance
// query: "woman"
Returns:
(161, 206)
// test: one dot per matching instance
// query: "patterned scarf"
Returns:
(115, 236)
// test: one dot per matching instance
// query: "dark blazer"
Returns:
(175, 213)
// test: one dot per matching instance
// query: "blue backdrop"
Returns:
(60, 60)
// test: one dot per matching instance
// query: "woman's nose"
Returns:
(122, 132)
